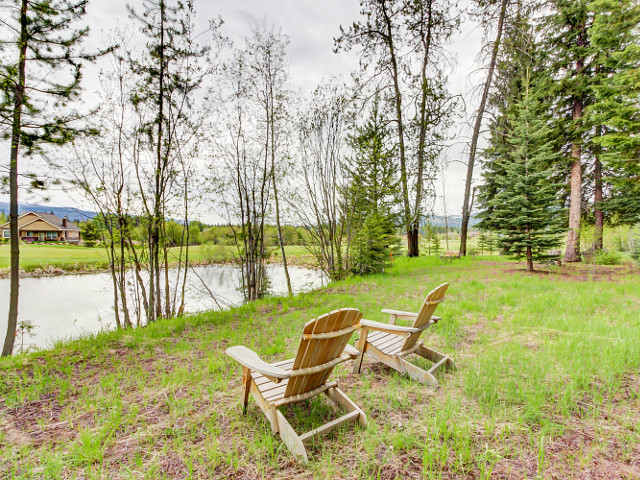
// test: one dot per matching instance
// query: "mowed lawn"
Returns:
(547, 386)
(37, 256)
(73, 257)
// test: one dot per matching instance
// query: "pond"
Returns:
(68, 306)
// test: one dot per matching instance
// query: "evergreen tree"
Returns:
(482, 242)
(615, 111)
(518, 56)
(491, 243)
(570, 74)
(373, 191)
(35, 108)
(524, 210)
(437, 246)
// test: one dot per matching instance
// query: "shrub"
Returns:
(604, 257)
(89, 243)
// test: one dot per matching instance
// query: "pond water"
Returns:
(69, 306)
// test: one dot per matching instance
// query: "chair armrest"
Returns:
(399, 314)
(250, 359)
(351, 351)
(383, 327)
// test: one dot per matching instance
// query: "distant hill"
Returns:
(73, 214)
(452, 221)
(81, 215)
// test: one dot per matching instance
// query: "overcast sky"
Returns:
(311, 26)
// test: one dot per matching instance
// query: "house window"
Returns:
(29, 234)
(52, 235)
(6, 234)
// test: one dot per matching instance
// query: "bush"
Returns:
(89, 243)
(214, 252)
(604, 257)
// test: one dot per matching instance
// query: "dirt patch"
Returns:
(37, 422)
(578, 272)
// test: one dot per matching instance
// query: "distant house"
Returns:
(44, 227)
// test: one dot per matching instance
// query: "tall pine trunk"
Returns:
(466, 209)
(572, 253)
(598, 243)
(575, 203)
(529, 260)
(18, 100)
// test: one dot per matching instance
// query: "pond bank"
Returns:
(46, 270)
(69, 306)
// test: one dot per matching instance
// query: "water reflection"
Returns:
(69, 306)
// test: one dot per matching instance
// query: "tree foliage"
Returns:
(525, 208)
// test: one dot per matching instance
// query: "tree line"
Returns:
(188, 120)
(563, 150)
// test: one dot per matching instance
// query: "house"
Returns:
(44, 227)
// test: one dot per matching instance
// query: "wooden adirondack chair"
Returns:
(390, 343)
(324, 344)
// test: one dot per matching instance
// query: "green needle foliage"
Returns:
(525, 206)
(373, 190)
(616, 110)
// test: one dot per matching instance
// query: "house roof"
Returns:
(51, 219)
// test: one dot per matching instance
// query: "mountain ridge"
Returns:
(72, 213)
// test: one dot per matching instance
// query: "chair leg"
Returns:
(436, 357)
(362, 346)
(246, 388)
(291, 439)
(340, 398)
(418, 374)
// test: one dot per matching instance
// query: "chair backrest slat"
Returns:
(323, 340)
(434, 298)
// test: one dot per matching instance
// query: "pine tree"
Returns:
(570, 75)
(437, 245)
(35, 108)
(615, 111)
(482, 242)
(525, 208)
(373, 191)
(492, 243)
(518, 56)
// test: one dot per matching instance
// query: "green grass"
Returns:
(547, 386)
(74, 257)
(36, 256)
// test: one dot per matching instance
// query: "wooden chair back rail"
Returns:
(323, 342)
(320, 368)
(424, 320)
(323, 336)
(435, 302)
(304, 396)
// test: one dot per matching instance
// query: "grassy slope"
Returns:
(547, 387)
